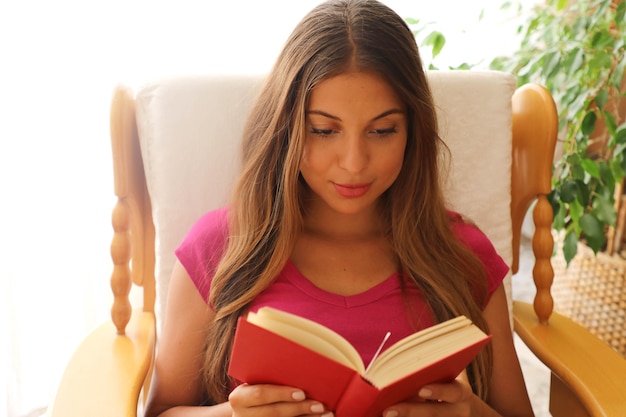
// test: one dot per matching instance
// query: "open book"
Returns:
(275, 347)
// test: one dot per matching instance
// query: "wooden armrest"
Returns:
(587, 366)
(105, 375)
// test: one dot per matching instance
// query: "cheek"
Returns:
(306, 164)
(394, 171)
(395, 161)
(313, 159)
(305, 159)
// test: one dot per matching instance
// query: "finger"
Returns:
(307, 408)
(429, 408)
(273, 400)
(260, 394)
(453, 392)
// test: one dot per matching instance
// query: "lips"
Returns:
(352, 190)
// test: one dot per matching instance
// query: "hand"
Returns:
(453, 399)
(273, 401)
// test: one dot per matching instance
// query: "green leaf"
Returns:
(616, 167)
(438, 45)
(620, 14)
(600, 61)
(573, 159)
(436, 40)
(568, 191)
(463, 66)
(589, 123)
(583, 193)
(596, 242)
(602, 98)
(561, 5)
(551, 62)
(553, 199)
(570, 246)
(558, 220)
(555, 202)
(604, 209)
(593, 230)
(591, 168)
(620, 134)
(590, 225)
(576, 210)
(618, 74)
(578, 172)
(601, 39)
(576, 60)
(605, 173)
(609, 121)
(580, 25)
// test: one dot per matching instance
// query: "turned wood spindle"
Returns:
(121, 280)
(543, 246)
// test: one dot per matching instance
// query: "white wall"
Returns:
(59, 61)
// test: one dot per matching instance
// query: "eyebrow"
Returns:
(380, 116)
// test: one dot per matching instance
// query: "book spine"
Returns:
(357, 399)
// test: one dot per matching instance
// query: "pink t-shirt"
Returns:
(363, 319)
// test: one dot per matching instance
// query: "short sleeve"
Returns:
(495, 267)
(202, 248)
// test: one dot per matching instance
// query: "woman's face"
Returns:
(356, 133)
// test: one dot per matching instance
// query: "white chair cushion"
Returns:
(475, 121)
(190, 130)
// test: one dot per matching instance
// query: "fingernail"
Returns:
(298, 395)
(317, 408)
(425, 393)
(391, 413)
(328, 414)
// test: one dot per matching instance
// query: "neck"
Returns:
(322, 221)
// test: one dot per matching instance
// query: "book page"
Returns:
(415, 339)
(417, 351)
(308, 333)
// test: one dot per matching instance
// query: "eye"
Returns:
(321, 132)
(384, 132)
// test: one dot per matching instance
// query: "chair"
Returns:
(175, 147)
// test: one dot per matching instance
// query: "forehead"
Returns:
(354, 89)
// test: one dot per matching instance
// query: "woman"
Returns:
(337, 216)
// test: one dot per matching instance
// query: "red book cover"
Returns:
(363, 399)
(261, 356)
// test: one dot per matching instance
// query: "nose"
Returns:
(354, 154)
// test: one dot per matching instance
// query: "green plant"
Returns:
(434, 41)
(576, 49)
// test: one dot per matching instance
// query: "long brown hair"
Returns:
(266, 211)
